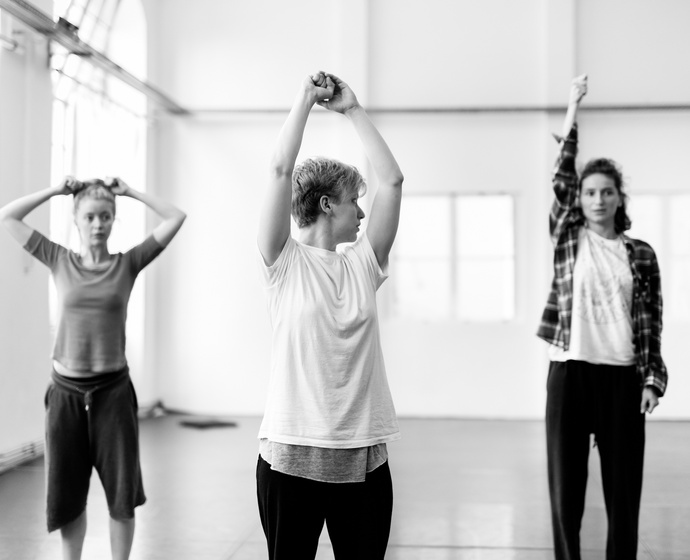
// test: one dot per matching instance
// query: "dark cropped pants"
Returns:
(90, 424)
(603, 400)
(293, 511)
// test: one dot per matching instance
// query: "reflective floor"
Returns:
(464, 490)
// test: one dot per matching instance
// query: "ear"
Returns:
(325, 204)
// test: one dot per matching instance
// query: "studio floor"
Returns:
(464, 490)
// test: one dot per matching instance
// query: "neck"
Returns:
(96, 254)
(607, 231)
(316, 235)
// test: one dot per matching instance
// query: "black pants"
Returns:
(584, 399)
(293, 511)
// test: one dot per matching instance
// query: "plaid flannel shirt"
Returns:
(565, 221)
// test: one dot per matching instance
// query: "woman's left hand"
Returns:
(117, 186)
(649, 400)
(343, 98)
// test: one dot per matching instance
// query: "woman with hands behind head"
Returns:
(329, 412)
(603, 323)
(91, 406)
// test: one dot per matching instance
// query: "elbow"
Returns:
(280, 169)
(5, 217)
(397, 180)
(281, 173)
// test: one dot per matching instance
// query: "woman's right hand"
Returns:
(343, 98)
(318, 86)
(69, 185)
(578, 89)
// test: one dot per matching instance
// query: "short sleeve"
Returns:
(364, 252)
(276, 273)
(45, 250)
(141, 255)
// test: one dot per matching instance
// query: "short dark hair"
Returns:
(317, 177)
(610, 169)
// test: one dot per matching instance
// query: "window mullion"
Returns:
(454, 258)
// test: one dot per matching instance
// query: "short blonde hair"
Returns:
(317, 177)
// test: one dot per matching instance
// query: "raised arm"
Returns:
(12, 215)
(173, 217)
(385, 210)
(578, 89)
(565, 179)
(274, 224)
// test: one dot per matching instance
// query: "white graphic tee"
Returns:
(601, 326)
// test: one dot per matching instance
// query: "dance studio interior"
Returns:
(185, 100)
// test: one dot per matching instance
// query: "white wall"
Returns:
(413, 55)
(25, 341)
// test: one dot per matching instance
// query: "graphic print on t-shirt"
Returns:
(605, 281)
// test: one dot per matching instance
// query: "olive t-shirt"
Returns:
(92, 304)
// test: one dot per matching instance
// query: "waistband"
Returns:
(87, 386)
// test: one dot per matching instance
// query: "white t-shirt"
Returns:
(328, 385)
(601, 326)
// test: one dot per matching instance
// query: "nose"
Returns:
(360, 212)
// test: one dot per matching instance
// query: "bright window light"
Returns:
(661, 220)
(454, 258)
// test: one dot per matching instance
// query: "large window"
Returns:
(99, 123)
(454, 258)
(662, 221)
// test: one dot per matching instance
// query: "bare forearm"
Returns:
(274, 227)
(20, 208)
(578, 89)
(291, 134)
(161, 207)
(379, 154)
(385, 209)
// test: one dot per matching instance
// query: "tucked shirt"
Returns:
(92, 304)
(328, 386)
(565, 222)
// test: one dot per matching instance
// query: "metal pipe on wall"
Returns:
(61, 33)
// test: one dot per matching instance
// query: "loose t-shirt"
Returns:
(92, 304)
(601, 325)
(328, 385)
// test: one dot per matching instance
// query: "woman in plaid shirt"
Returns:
(603, 323)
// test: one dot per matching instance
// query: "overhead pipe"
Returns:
(65, 34)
